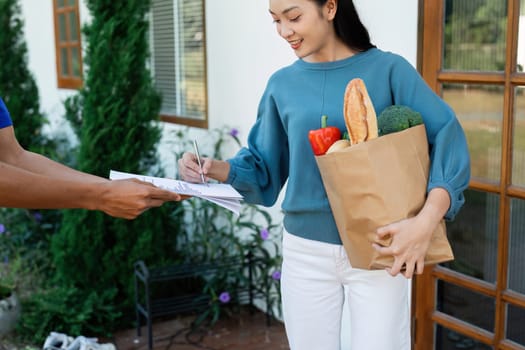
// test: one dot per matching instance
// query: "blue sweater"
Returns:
(292, 104)
(5, 119)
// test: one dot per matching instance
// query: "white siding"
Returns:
(40, 38)
(243, 49)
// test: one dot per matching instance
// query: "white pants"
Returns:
(316, 279)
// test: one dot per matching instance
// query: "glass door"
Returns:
(473, 55)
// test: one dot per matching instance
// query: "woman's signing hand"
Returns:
(189, 169)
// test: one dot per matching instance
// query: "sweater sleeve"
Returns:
(449, 155)
(5, 119)
(260, 170)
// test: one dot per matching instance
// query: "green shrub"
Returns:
(24, 234)
(115, 117)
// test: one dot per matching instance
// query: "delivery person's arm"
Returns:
(29, 180)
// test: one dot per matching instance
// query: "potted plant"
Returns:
(9, 308)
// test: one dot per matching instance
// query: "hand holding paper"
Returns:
(221, 194)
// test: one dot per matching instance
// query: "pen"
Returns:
(198, 159)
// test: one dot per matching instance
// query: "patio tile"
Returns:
(240, 331)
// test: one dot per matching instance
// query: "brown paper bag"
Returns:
(376, 183)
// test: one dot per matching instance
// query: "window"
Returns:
(67, 44)
(178, 60)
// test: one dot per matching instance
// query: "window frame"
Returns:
(68, 81)
(178, 118)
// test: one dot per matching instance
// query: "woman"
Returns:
(334, 47)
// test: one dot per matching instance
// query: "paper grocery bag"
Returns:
(375, 183)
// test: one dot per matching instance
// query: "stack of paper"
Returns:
(221, 194)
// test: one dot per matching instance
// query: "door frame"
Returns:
(424, 313)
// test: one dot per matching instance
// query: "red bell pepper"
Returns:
(322, 139)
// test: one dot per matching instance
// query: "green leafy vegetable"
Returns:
(397, 118)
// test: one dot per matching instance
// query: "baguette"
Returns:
(359, 113)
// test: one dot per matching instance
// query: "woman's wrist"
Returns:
(219, 170)
(436, 206)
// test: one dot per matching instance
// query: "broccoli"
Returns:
(396, 118)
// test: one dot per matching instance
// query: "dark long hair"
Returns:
(348, 25)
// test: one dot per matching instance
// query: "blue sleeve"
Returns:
(449, 155)
(5, 118)
(260, 170)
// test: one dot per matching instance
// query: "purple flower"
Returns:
(2, 228)
(224, 297)
(234, 132)
(37, 216)
(264, 233)
(276, 275)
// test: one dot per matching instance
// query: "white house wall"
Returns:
(243, 49)
(40, 39)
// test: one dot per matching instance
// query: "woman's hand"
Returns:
(190, 171)
(411, 237)
(410, 242)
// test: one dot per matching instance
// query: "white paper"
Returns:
(221, 194)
